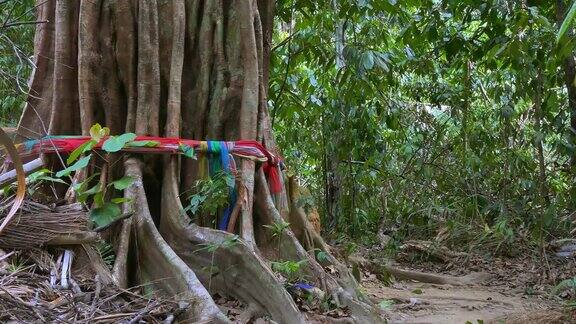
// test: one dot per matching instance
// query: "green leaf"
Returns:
(106, 214)
(83, 195)
(120, 200)
(187, 151)
(97, 132)
(566, 23)
(99, 198)
(81, 186)
(143, 144)
(123, 183)
(50, 179)
(116, 143)
(43, 175)
(80, 164)
(86, 146)
(368, 60)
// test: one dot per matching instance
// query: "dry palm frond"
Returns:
(35, 224)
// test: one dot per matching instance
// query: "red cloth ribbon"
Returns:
(67, 144)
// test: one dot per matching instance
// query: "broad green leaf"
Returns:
(106, 214)
(86, 146)
(566, 23)
(143, 144)
(123, 183)
(84, 184)
(116, 143)
(50, 179)
(80, 164)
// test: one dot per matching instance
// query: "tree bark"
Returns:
(192, 69)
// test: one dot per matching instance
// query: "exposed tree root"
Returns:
(432, 250)
(156, 261)
(422, 276)
(342, 286)
(223, 264)
(384, 271)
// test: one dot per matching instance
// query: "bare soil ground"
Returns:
(413, 302)
(485, 290)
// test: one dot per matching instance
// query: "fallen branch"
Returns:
(432, 249)
(29, 168)
(422, 276)
(384, 270)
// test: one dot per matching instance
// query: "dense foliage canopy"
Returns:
(448, 119)
(16, 40)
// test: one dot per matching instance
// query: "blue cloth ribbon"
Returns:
(220, 160)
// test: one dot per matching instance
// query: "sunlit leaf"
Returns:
(80, 164)
(98, 132)
(116, 143)
(566, 23)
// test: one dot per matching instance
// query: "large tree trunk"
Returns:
(192, 69)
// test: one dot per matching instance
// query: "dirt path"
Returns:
(412, 302)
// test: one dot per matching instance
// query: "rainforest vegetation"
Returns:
(436, 136)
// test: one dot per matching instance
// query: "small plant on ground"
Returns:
(106, 252)
(291, 270)
(277, 229)
(213, 270)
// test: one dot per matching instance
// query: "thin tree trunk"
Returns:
(332, 161)
(539, 142)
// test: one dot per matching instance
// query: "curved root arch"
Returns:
(194, 69)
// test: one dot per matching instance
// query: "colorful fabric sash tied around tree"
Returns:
(213, 156)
